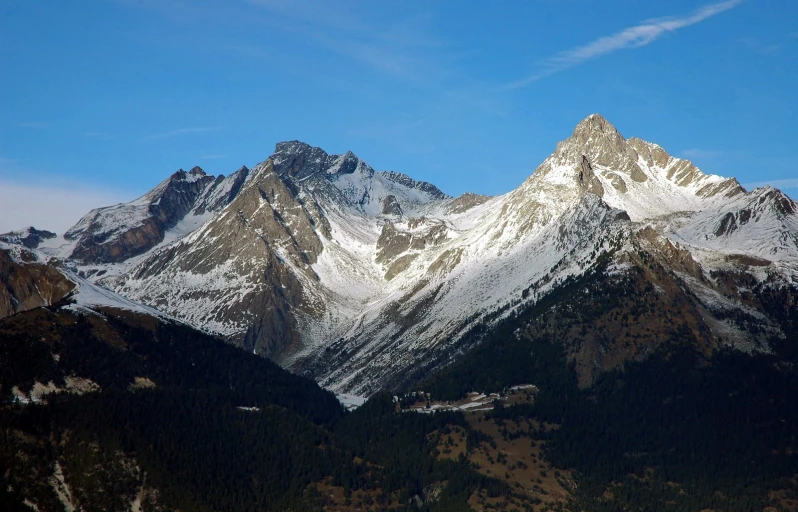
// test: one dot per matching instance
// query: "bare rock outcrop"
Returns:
(28, 284)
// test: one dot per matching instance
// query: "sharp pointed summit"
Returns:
(597, 126)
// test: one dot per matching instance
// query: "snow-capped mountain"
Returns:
(178, 205)
(361, 278)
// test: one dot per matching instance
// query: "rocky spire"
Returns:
(595, 128)
(602, 144)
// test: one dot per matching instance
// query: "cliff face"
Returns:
(117, 233)
(26, 284)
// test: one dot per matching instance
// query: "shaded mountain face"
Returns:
(116, 233)
(27, 283)
(28, 237)
(367, 280)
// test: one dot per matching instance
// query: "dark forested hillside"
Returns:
(169, 418)
(680, 429)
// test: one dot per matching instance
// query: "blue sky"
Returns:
(101, 100)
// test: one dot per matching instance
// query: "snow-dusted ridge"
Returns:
(354, 275)
(89, 296)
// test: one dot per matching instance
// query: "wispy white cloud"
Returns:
(788, 184)
(632, 37)
(185, 131)
(32, 124)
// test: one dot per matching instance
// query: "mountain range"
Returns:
(617, 333)
(365, 280)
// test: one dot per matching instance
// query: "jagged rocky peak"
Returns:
(636, 175)
(354, 182)
(602, 144)
(596, 139)
(764, 199)
(596, 129)
(300, 160)
(196, 174)
(28, 237)
(347, 164)
(403, 179)
(116, 233)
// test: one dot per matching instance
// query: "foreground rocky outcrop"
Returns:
(26, 283)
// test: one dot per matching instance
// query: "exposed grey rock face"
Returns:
(257, 252)
(605, 146)
(117, 233)
(466, 202)
(392, 243)
(26, 283)
(421, 233)
(390, 206)
(403, 179)
(299, 160)
(222, 193)
(354, 182)
(28, 237)
(587, 178)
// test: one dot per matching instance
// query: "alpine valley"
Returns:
(653, 309)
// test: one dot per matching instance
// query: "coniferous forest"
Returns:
(219, 430)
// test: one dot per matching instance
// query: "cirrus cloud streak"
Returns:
(632, 37)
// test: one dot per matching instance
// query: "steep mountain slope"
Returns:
(248, 272)
(356, 277)
(27, 283)
(178, 205)
(539, 236)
